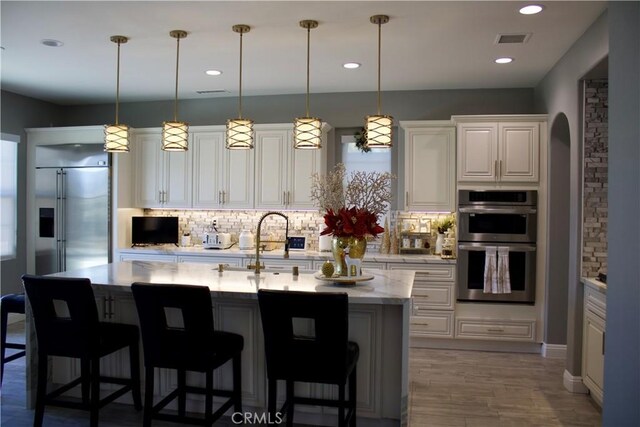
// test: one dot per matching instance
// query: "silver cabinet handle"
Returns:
(219, 197)
(495, 330)
(288, 197)
(500, 169)
(406, 199)
(495, 170)
(284, 197)
(104, 307)
(159, 196)
(224, 197)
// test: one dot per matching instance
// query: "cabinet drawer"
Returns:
(488, 329)
(432, 323)
(595, 302)
(427, 272)
(433, 296)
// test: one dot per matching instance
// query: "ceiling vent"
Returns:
(206, 92)
(512, 38)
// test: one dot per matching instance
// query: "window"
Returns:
(8, 195)
(378, 159)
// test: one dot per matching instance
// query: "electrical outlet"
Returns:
(214, 223)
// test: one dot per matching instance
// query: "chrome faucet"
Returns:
(257, 267)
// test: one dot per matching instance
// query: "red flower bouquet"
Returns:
(351, 222)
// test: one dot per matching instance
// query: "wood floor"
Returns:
(447, 388)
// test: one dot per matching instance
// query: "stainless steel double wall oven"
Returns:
(501, 218)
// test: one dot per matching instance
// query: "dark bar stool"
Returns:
(185, 340)
(326, 358)
(11, 303)
(66, 323)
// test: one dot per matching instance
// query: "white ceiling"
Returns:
(425, 45)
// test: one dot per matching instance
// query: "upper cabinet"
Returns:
(163, 178)
(499, 149)
(221, 178)
(429, 166)
(283, 174)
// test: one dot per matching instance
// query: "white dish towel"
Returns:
(490, 271)
(504, 281)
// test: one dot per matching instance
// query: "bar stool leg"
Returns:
(342, 403)
(5, 320)
(182, 392)
(208, 399)
(289, 403)
(237, 383)
(134, 356)
(85, 375)
(95, 391)
(352, 396)
(41, 391)
(271, 397)
(148, 397)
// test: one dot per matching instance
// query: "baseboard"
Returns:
(554, 351)
(480, 345)
(574, 384)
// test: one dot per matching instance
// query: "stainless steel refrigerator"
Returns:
(72, 202)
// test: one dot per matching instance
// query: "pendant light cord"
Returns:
(308, 60)
(175, 105)
(118, 84)
(379, 50)
(240, 83)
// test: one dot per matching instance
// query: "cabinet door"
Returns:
(593, 357)
(177, 178)
(271, 168)
(518, 154)
(303, 164)
(208, 169)
(149, 170)
(477, 151)
(237, 191)
(429, 169)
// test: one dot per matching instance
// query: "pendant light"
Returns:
(378, 127)
(240, 130)
(307, 130)
(116, 136)
(175, 134)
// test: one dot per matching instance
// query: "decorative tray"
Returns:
(343, 280)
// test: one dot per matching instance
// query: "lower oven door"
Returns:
(522, 273)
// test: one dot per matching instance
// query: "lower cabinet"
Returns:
(495, 329)
(593, 341)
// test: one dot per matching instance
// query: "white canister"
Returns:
(246, 240)
(324, 244)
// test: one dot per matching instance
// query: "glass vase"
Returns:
(355, 247)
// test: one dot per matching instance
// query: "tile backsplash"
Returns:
(301, 223)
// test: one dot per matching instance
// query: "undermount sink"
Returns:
(271, 269)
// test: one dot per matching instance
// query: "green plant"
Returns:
(361, 143)
(444, 224)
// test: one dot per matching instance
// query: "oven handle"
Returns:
(505, 210)
(483, 247)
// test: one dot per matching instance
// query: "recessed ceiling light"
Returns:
(351, 65)
(51, 42)
(213, 72)
(531, 9)
(504, 60)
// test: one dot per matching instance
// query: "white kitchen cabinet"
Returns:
(498, 149)
(283, 174)
(134, 256)
(221, 178)
(163, 178)
(593, 341)
(429, 165)
(433, 299)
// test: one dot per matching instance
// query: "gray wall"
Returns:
(338, 109)
(559, 93)
(622, 351)
(18, 113)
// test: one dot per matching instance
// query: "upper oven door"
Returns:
(497, 224)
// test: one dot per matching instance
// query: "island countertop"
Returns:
(388, 287)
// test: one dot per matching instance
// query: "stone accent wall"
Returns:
(301, 223)
(595, 210)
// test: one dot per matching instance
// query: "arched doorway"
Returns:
(557, 279)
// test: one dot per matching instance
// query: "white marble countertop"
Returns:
(388, 287)
(293, 255)
(595, 283)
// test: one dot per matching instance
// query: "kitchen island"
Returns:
(379, 314)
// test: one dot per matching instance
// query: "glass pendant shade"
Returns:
(378, 131)
(307, 133)
(239, 134)
(175, 136)
(116, 138)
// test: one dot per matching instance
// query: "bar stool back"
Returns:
(66, 322)
(326, 357)
(178, 332)
(11, 303)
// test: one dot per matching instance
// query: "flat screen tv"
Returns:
(154, 230)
